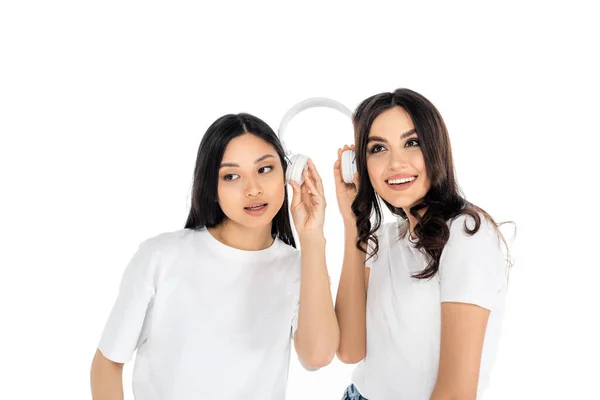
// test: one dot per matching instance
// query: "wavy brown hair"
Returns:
(444, 200)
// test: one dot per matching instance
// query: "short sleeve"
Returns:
(472, 268)
(123, 331)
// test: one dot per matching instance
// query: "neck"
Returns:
(242, 237)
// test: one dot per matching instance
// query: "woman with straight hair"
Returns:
(420, 299)
(212, 308)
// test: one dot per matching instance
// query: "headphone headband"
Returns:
(306, 104)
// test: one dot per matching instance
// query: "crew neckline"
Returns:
(232, 252)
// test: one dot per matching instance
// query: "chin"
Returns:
(256, 222)
(401, 202)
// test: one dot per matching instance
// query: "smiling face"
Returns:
(395, 161)
(251, 187)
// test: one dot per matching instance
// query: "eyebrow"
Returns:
(380, 139)
(255, 162)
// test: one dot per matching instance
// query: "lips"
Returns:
(255, 206)
(400, 178)
(256, 209)
(400, 182)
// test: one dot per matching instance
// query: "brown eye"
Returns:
(376, 149)
(265, 169)
(230, 177)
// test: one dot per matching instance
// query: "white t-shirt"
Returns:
(404, 313)
(207, 320)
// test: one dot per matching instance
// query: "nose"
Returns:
(253, 188)
(397, 160)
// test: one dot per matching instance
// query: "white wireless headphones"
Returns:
(297, 163)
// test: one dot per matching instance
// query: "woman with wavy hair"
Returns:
(421, 299)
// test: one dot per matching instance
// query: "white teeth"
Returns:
(403, 180)
(255, 207)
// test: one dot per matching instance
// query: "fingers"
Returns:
(297, 196)
(346, 147)
(337, 173)
(309, 184)
(305, 187)
(316, 177)
(337, 167)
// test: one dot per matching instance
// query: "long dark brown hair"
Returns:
(205, 211)
(444, 200)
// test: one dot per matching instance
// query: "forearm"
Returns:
(317, 336)
(350, 305)
(454, 387)
(443, 394)
(106, 379)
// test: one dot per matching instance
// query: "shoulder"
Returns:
(168, 239)
(461, 231)
(464, 244)
(288, 254)
(286, 249)
(390, 232)
(167, 243)
(472, 266)
(387, 236)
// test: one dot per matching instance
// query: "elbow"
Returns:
(351, 357)
(318, 356)
(315, 354)
(316, 361)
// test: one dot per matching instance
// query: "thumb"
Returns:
(297, 196)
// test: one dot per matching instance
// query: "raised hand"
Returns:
(345, 193)
(308, 203)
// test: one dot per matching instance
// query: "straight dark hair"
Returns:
(205, 211)
(444, 200)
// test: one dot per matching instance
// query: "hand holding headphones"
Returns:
(297, 163)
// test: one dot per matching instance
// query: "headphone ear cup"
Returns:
(297, 164)
(348, 166)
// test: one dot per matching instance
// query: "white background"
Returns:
(102, 108)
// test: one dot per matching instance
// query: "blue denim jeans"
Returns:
(351, 393)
